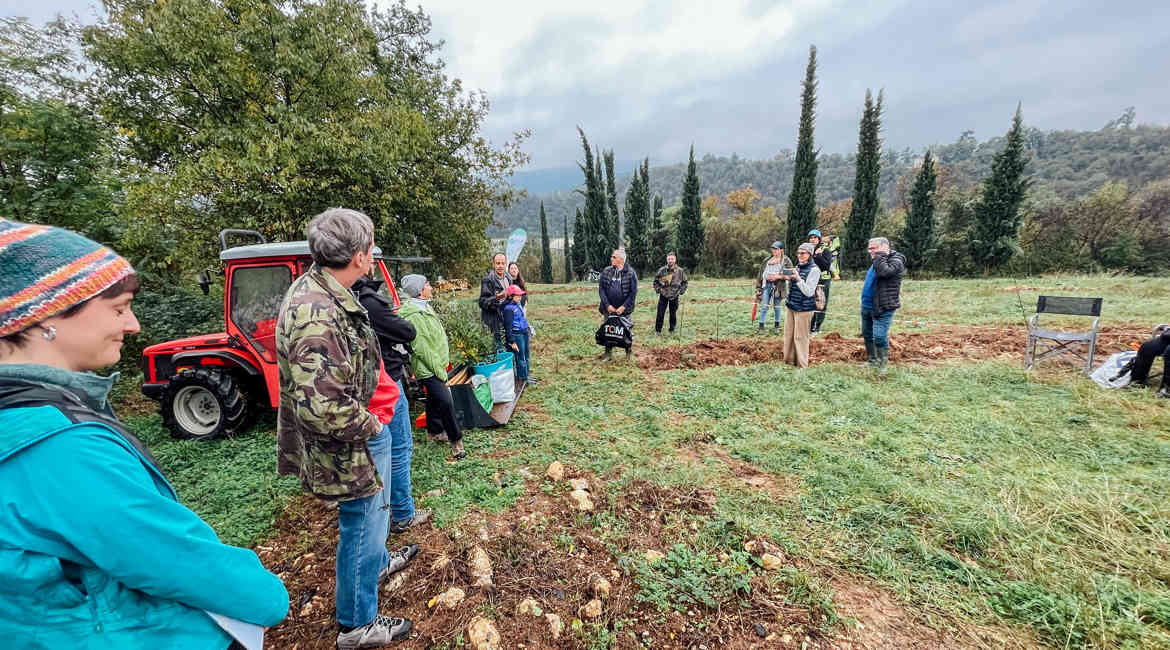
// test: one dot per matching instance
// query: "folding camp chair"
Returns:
(1044, 343)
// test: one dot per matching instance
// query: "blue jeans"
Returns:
(521, 341)
(398, 495)
(772, 293)
(876, 327)
(364, 525)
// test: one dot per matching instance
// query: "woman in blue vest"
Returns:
(801, 304)
(96, 551)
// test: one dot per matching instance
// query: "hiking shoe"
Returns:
(420, 517)
(1163, 392)
(761, 328)
(381, 631)
(605, 356)
(399, 559)
(629, 352)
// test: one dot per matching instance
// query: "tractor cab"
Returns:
(208, 386)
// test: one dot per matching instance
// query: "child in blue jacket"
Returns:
(516, 329)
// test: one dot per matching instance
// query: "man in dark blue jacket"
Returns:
(880, 297)
(618, 288)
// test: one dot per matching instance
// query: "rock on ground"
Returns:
(450, 598)
(483, 634)
(555, 471)
(481, 568)
(555, 625)
(581, 500)
(591, 609)
(528, 606)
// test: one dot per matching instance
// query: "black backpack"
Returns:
(616, 332)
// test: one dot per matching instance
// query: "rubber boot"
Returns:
(607, 355)
(883, 359)
(776, 327)
(760, 329)
(870, 353)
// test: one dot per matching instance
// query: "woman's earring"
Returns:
(49, 332)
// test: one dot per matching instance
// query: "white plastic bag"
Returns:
(503, 385)
(1107, 375)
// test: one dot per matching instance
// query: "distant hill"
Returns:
(1065, 164)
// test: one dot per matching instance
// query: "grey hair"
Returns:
(337, 234)
(620, 252)
(881, 242)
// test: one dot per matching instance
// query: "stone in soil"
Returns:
(450, 598)
(653, 556)
(483, 634)
(581, 500)
(481, 568)
(555, 625)
(555, 471)
(771, 562)
(599, 586)
(591, 609)
(579, 484)
(528, 606)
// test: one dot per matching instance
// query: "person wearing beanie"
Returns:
(429, 362)
(801, 303)
(96, 543)
(771, 284)
(327, 435)
(823, 258)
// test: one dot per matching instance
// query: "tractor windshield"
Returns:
(256, 294)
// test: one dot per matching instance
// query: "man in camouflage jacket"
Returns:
(326, 435)
(328, 359)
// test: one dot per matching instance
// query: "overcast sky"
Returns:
(650, 78)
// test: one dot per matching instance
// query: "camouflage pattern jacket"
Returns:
(328, 359)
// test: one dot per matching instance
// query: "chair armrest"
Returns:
(1033, 321)
(1095, 321)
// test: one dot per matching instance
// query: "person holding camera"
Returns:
(771, 284)
(802, 304)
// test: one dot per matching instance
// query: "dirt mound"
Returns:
(544, 550)
(943, 344)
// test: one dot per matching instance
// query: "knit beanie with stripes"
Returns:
(45, 270)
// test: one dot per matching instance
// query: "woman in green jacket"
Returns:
(430, 360)
(95, 549)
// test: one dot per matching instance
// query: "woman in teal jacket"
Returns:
(95, 549)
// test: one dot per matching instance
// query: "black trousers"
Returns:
(663, 303)
(1146, 354)
(440, 409)
(819, 317)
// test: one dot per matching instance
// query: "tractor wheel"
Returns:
(203, 404)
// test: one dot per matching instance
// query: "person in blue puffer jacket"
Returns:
(96, 551)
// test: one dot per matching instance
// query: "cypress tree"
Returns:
(593, 239)
(690, 220)
(580, 245)
(997, 218)
(660, 239)
(545, 252)
(919, 241)
(601, 243)
(637, 217)
(802, 200)
(568, 252)
(614, 219)
(859, 225)
(656, 219)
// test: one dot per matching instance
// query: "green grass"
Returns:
(977, 493)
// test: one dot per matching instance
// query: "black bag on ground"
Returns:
(616, 332)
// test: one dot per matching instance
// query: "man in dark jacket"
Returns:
(618, 288)
(880, 297)
(395, 334)
(492, 298)
(670, 282)
(823, 257)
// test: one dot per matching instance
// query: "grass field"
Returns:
(975, 492)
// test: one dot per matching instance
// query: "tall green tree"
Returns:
(656, 217)
(919, 240)
(690, 219)
(863, 213)
(545, 252)
(614, 219)
(995, 233)
(580, 248)
(260, 114)
(567, 248)
(802, 200)
(596, 240)
(638, 218)
(603, 224)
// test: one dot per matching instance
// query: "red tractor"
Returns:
(208, 386)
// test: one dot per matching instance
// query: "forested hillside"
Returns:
(1065, 165)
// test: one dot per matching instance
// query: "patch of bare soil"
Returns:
(943, 344)
(544, 549)
(780, 488)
